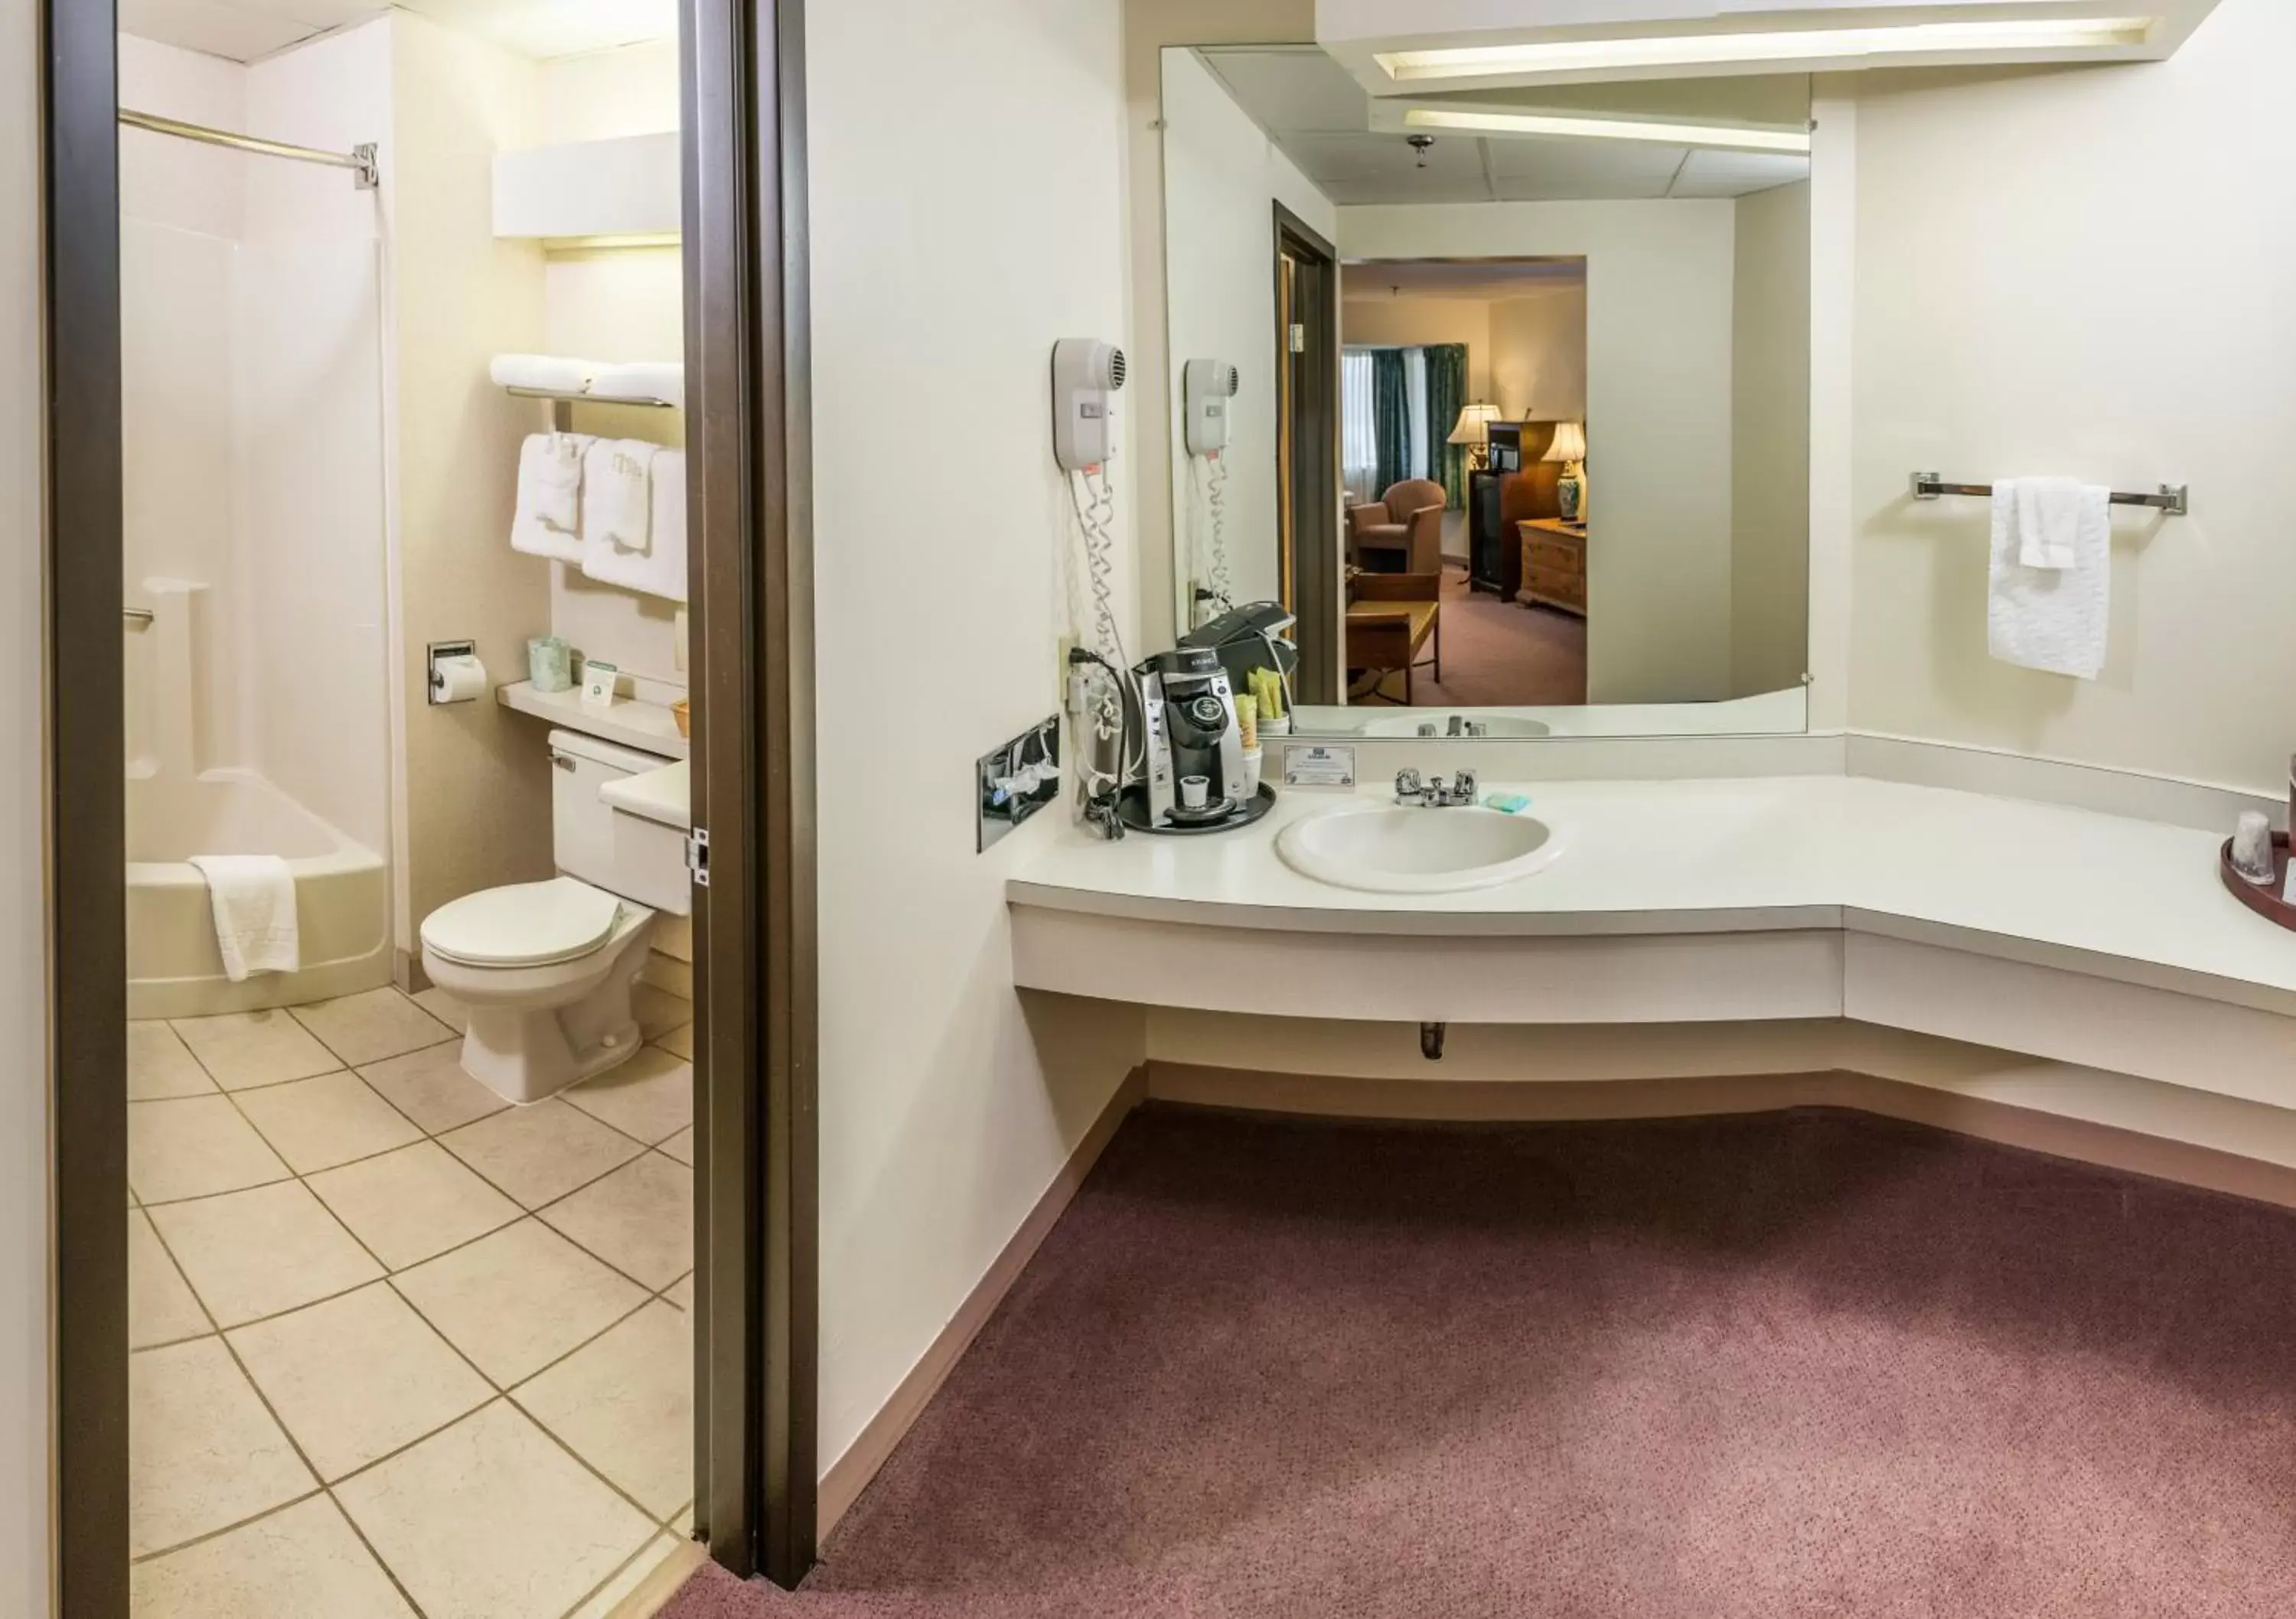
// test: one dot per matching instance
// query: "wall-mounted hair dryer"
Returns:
(1207, 386)
(1085, 375)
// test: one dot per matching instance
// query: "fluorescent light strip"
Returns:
(1609, 129)
(1687, 50)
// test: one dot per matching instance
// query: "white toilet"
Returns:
(545, 971)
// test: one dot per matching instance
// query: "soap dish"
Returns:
(2265, 903)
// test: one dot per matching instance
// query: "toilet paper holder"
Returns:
(441, 653)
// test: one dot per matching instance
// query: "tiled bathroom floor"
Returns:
(398, 1348)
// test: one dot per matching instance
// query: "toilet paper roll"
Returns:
(457, 680)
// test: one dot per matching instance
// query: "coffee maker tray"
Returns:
(1132, 810)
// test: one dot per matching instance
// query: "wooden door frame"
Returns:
(749, 462)
(1312, 497)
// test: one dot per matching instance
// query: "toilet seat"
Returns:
(523, 924)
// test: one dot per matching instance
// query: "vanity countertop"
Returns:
(2136, 900)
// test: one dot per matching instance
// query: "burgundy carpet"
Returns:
(1765, 1368)
(1496, 655)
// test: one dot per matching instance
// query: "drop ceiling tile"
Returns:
(1736, 173)
(1291, 89)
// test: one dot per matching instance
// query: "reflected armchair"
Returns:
(1401, 532)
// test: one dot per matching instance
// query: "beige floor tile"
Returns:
(357, 1377)
(516, 1301)
(601, 1602)
(413, 1204)
(540, 1152)
(440, 1005)
(370, 1026)
(649, 1097)
(304, 1560)
(681, 1291)
(317, 1123)
(194, 1147)
(684, 1525)
(162, 1307)
(429, 1087)
(678, 1042)
(244, 1048)
(203, 1454)
(624, 1403)
(638, 1219)
(491, 1520)
(255, 1253)
(161, 1065)
(680, 1146)
(658, 1010)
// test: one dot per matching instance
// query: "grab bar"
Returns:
(136, 615)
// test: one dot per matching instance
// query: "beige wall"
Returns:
(1539, 355)
(1379, 319)
(1658, 411)
(2011, 317)
(24, 1190)
(1769, 426)
(947, 1104)
(476, 803)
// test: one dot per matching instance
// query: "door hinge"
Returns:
(697, 855)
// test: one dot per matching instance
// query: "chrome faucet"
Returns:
(1432, 794)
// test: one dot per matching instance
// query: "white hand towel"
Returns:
(548, 522)
(543, 372)
(663, 379)
(616, 499)
(2054, 619)
(659, 569)
(2048, 520)
(254, 900)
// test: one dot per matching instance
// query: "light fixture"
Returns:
(1609, 129)
(1795, 44)
(1473, 430)
(1569, 447)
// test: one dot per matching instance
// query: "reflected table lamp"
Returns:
(1473, 430)
(1569, 448)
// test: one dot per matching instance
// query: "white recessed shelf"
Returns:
(591, 191)
(634, 722)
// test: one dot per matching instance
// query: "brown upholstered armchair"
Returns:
(1402, 532)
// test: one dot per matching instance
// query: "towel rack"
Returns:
(562, 404)
(2173, 499)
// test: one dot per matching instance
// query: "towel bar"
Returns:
(2173, 499)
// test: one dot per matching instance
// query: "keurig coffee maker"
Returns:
(1192, 770)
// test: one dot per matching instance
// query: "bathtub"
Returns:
(341, 898)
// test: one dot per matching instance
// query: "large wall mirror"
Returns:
(1506, 400)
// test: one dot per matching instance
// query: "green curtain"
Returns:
(1446, 395)
(1391, 412)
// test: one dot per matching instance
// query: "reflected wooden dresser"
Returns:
(1554, 564)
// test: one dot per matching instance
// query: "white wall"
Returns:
(1658, 412)
(25, 1503)
(946, 1105)
(1769, 424)
(1223, 177)
(2013, 317)
(1539, 355)
(1381, 319)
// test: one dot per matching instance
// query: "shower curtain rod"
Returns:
(359, 159)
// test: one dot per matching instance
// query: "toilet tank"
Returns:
(640, 858)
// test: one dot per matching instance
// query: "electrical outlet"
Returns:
(1016, 780)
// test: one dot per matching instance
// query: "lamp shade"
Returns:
(1474, 424)
(1569, 443)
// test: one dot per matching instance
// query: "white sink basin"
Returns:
(1493, 724)
(1417, 851)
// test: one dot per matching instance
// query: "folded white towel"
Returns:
(617, 498)
(253, 896)
(663, 379)
(548, 521)
(543, 372)
(2048, 520)
(660, 568)
(2051, 618)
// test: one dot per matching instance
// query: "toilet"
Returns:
(545, 971)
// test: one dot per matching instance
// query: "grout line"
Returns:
(382, 1562)
(627, 1565)
(211, 1534)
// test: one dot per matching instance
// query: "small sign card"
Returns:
(598, 682)
(1318, 764)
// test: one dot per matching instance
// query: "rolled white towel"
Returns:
(542, 372)
(253, 898)
(663, 380)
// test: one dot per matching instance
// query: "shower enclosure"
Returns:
(255, 624)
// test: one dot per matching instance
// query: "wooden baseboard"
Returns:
(842, 1483)
(2059, 1134)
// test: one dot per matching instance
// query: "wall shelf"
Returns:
(634, 722)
